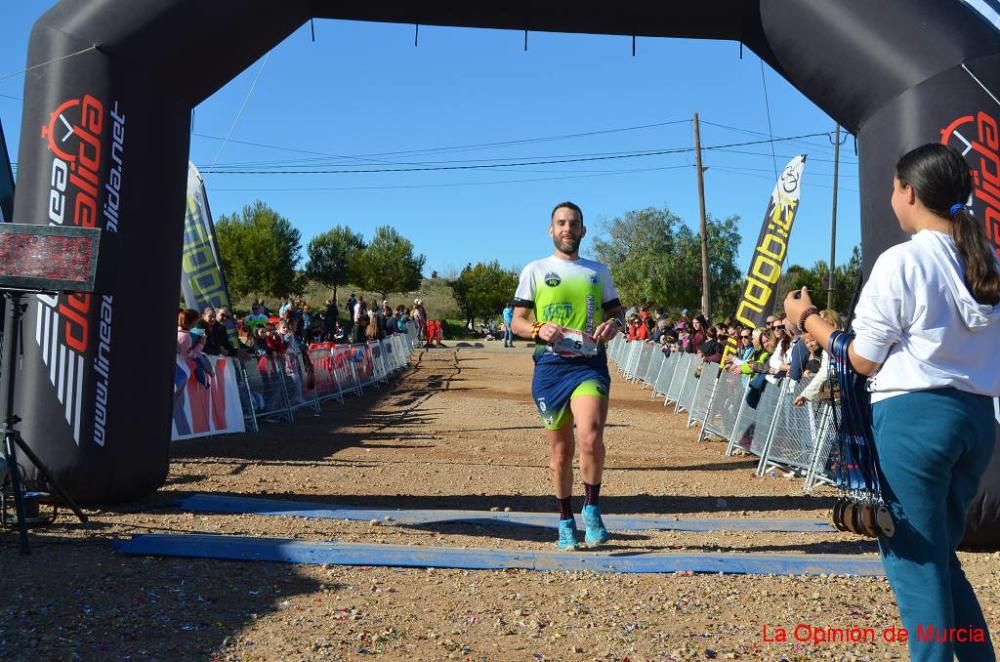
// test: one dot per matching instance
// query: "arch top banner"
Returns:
(105, 140)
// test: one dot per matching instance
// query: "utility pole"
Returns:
(833, 225)
(706, 296)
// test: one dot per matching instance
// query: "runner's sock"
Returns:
(565, 508)
(591, 494)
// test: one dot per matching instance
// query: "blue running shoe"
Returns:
(567, 535)
(596, 533)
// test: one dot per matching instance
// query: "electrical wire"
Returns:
(246, 100)
(92, 47)
(767, 107)
(457, 184)
(480, 166)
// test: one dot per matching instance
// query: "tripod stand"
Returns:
(12, 441)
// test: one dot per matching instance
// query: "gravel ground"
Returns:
(458, 431)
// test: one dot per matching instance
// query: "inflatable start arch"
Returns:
(105, 138)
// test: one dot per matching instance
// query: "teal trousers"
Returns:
(933, 448)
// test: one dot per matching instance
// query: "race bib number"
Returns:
(575, 344)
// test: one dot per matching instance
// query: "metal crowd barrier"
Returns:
(266, 389)
(703, 393)
(300, 395)
(634, 349)
(666, 373)
(767, 409)
(272, 388)
(780, 434)
(720, 419)
(800, 439)
(689, 385)
(655, 361)
(615, 348)
(327, 384)
(642, 364)
(246, 400)
(677, 379)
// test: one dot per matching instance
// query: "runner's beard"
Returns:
(568, 246)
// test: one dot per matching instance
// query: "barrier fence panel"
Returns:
(821, 467)
(612, 349)
(622, 351)
(266, 386)
(741, 425)
(300, 394)
(686, 395)
(343, 369)
(246, 399)
(797, 438)
(722, 412)
(665, 374)
(325, 379)
(391, 349)
(655, 361)
(615, 349)
(703, 393)
(767, 411)
(631, 360)
(791, 440)
(401, 351)
(677, 379)
(376, 355)
(750, 430)
(361, 357)
(642, 365)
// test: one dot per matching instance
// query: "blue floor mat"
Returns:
(208, 503)
(297, 551)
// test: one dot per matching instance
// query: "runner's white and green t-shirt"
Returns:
(571, 293)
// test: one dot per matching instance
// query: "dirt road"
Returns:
(457, 431)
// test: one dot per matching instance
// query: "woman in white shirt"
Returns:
(927, 329)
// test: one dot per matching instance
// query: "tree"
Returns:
(636, 249)
(846, 281)
(483, 290)
(259, 249)
(387, 264)
(816, 278)
(332, 254)
(655, 258)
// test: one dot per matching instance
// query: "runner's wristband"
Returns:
(535, 328)
(806, 314)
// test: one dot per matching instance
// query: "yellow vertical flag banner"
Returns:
(757, 300)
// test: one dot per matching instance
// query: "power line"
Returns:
(767, 107)
(240, 112)
(675, 150)
(48, 62)
(455, 184)
(812, 159)
(429, 150)
(761, 133)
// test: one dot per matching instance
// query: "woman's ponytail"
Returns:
(940, 175)
(982, 275)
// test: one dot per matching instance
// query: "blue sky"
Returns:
(363, 97)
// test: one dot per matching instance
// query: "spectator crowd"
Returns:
(765, 355)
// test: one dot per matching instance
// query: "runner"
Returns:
(576, 310)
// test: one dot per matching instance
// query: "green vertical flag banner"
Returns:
(202, 281)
